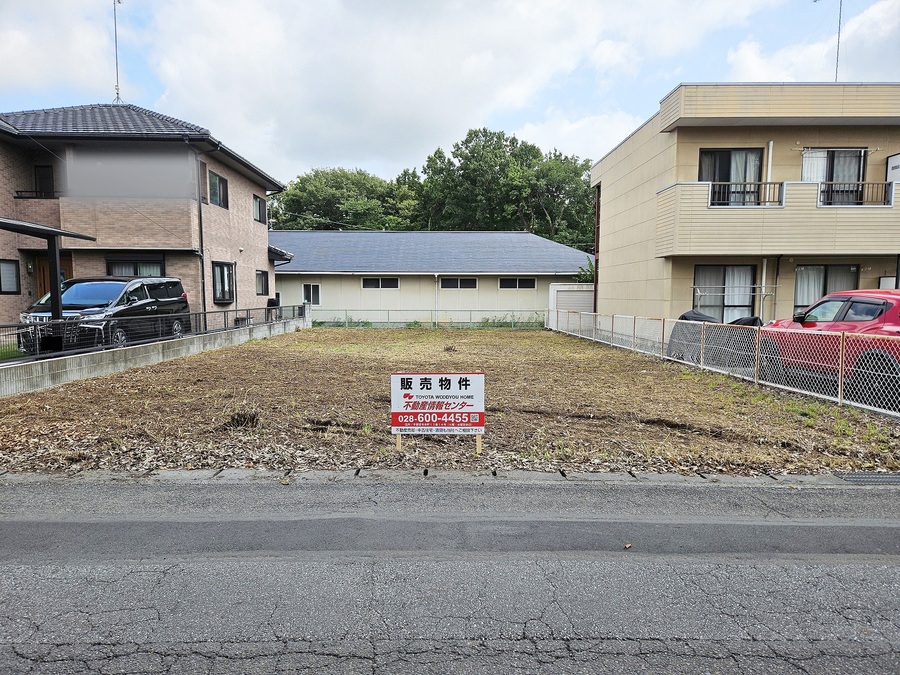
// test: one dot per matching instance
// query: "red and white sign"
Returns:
(437, 403)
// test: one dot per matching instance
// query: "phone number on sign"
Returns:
(435, 419)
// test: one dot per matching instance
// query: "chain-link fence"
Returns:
(862, 370)
(427, 318)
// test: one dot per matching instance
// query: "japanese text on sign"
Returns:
(437, 403)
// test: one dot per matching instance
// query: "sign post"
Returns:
(437, 403)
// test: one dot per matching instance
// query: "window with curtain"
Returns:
(724, 292)
(814, 281)
(735, 175)
(840, 171)
(135, 264)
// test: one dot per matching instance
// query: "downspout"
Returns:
(762, 291)
(769, 163)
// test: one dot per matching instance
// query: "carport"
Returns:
(52, 235)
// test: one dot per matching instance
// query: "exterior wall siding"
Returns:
(655, 218)
(169, 225)
(686, 225)
(767, 101)
(344, 293)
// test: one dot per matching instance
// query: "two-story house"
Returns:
(162, 197)
(750, 199)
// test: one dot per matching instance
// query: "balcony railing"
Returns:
(855, 194)
(746, 194)
(37, 194)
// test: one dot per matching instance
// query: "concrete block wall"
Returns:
(38, 375)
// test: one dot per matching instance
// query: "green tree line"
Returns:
(489, 181)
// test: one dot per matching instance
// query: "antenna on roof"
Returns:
(837, 57)
(116, 42)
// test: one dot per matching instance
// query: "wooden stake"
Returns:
(399, 436)
(477, 444)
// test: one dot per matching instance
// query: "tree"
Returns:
(483, 186)
(562, 201)
(332, 199)
(490, 181)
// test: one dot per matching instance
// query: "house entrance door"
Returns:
(42, 271)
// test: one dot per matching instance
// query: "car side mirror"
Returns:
(799, 317)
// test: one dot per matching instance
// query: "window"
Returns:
(381, 282)
(262, 282)
(814, 281)
(203, 180)
(735, 175)
(840, 171)
(9, 277)
(223, 282)
(724, 292)
(259, 209)
(311, 294)
(133, 265)
(43, 181)
(218, 190)
(520, 283)
(459, 282)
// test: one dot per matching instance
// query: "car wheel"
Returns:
(771, 368)
(118, 338)
(875, 382)
(177, 329)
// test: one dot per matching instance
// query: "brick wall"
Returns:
(227, 231)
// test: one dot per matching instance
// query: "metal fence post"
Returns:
(841, 369)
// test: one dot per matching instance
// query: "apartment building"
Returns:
(750, 199)
(161, 197)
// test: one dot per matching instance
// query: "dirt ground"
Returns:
(320, 399)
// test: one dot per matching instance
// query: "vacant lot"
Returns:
(320, 399)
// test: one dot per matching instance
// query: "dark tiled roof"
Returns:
(120, 121)
(109, 119)
(330, 252)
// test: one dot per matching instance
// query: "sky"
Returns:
(379, 85)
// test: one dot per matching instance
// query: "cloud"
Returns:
(380, 85)
(868, 52)
(39, 43)
(588, 137)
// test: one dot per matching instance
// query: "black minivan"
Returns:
(107, 311)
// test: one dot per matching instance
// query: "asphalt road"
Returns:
(398, 573)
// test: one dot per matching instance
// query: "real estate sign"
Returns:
(437, 403)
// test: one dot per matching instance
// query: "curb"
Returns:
(230, 475)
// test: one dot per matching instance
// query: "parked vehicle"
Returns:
(810, 345)
(107, 311)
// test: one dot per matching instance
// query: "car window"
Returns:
(90, 293)
(825, 310)
(864, 311)
(158, 291)
(139, 292)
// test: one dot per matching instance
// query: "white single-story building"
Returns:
(386, 277)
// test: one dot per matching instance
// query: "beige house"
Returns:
(427, 277)
(162, 197)
(750, 199)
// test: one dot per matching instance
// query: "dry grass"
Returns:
(320, 399)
